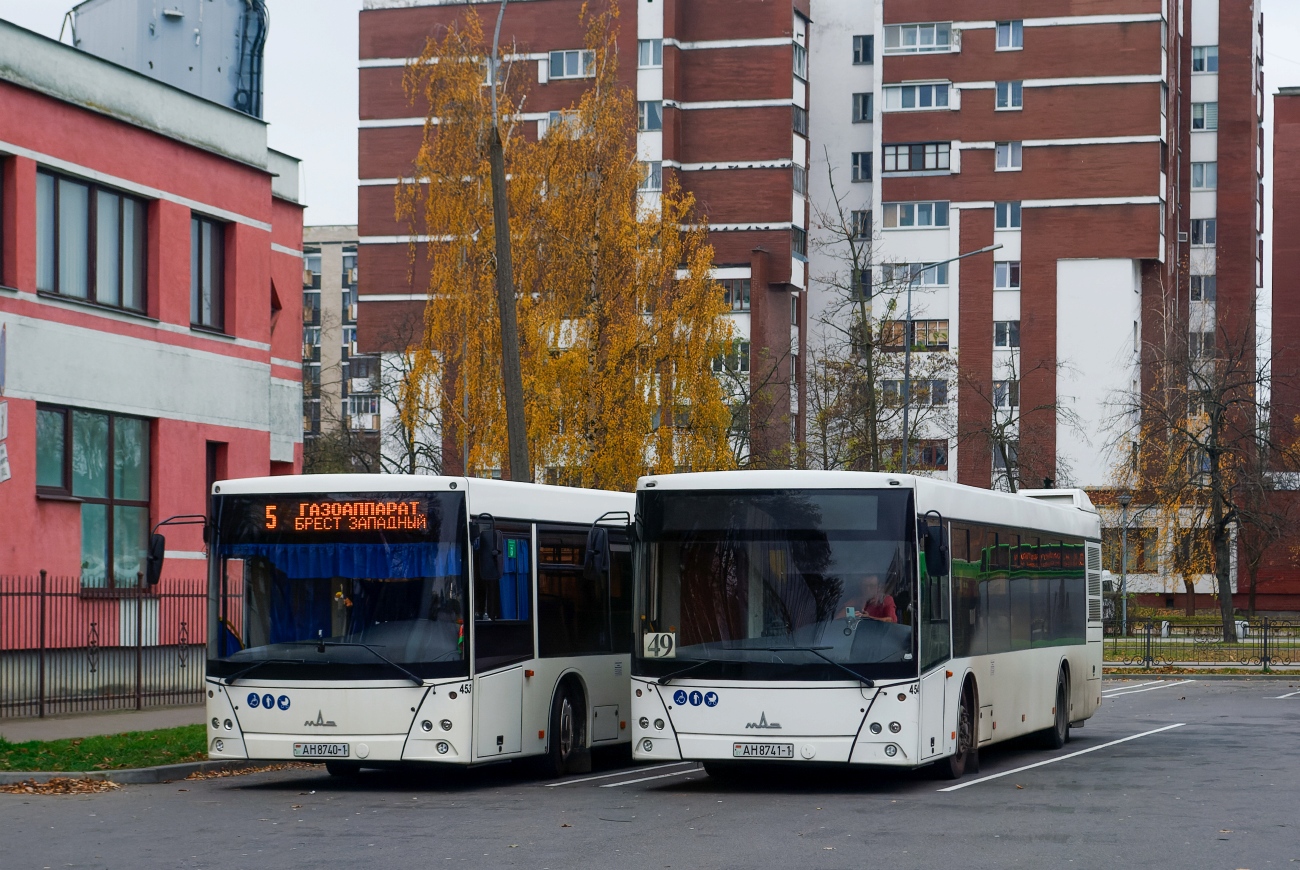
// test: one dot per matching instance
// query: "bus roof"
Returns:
(1067, 511)
(503, 499)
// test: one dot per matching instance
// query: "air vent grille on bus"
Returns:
(1094, 557)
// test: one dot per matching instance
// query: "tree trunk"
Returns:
(1222, 568)
(1190, 586)
(511, 371)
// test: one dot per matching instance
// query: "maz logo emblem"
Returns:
(321, 722)
(763, 723)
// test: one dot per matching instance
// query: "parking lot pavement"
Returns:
(1167, 774)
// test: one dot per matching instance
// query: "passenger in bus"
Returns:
(879, 604)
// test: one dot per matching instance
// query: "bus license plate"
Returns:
(320, 750)
(762, 750)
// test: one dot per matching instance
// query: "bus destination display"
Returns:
(320, 515)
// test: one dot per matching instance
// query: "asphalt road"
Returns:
(1220, 790)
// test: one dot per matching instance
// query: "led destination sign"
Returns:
(299, 515)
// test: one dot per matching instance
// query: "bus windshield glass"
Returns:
(776, 584)
(339, 586)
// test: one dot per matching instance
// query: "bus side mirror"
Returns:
(154, 559)
(595, 560)
(487, 555)
(936, 551)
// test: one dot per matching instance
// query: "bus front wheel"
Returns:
(966, 758)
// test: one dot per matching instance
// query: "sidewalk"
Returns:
(96, 724)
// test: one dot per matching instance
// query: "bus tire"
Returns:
(1059, 734)
(566, 749)
(346, 769)
(966, 758)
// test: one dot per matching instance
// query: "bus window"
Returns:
(503, 625)
(572, 612)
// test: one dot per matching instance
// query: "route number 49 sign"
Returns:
(660, 645)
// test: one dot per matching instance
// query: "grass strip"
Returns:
(109, 752)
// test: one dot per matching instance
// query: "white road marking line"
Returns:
(648, 778)
(1060, 758)
(619, 773)
(1126, 688)
(1149, 689)
(1288, 695)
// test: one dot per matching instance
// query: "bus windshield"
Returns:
(339, 586)
(776, 584)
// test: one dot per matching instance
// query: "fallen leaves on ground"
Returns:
(241, 771)
(61, 785)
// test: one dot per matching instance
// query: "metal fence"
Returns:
(69, 648)
(1262, 642)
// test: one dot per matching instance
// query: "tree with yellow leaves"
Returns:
(618, 318)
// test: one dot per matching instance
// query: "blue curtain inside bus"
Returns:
(516, 580)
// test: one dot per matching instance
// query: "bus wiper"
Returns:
(816, 650)
(321, 644)
(230, 680)
(663, 681)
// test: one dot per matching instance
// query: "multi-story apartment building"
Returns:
(150, 265)
(722, 87)
(340, 386)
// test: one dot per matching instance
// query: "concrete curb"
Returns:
(133, 775)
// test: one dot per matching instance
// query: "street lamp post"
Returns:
(1124, 499)
(907, 344)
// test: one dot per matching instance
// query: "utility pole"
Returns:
(912, 280)
(1124, 499)
(511, 371)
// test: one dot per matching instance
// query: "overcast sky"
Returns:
(311, 86)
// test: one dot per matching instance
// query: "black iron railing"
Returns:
(1264, 642)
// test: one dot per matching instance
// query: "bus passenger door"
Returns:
(503, 636)
(935, 614)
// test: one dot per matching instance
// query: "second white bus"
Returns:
(859, 618)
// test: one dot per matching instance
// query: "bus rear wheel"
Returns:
(1059, 734)
(566, 750)
(966, 758)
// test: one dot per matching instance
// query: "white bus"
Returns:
(859, 618)
(381, 620)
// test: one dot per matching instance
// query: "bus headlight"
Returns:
(647, 745)
(230, 726)
(875, 728)
(659, 724)
(218, 744)
(443, 747)
(445, 724)
(426, 725)
(891, 750)
(216, 723)
(894, 727)
(643, 722)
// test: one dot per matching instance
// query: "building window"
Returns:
(800, 180)
(925, 392)
(1143, 553)
(1012, 456)
(931, 335)
(924, 274)
(1010, 95)
(900, 98)
(1200, 345)
(916, 38)
(1205, 116)
(1006, 215)
(650, 53)
(735, 293)
(1006, 276)
(1006, 333)
(863, 109)
(899, 215)
(653, 175)
(801, 62)
(207, 273)
(1006, 394)
(103, 461)
(1205, 58)
(861, 165)
(1011, 35)
(1008, 156)
(861, 223)
(864, 49)
(90, 242)
(650, 115)
(1203, 231)
(735, 360)
(918, 156)
(861, 287)
(800, 120)
(799, 242)
(575, 64)
(1205, 176)
(1203, 288)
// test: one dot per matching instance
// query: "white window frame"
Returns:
(911, 38)
(1002, 334)
(1009, 96)
(1006, 275)
(1007, 215)
(1010, 35)
(1212, 225)
(800, 62)
(864, 107)
(1205, 116)
(643, 116)
(653, 179)
(1007, 156)
(650, 53)
(857, 161)
(1006, 393)
(933, 91)
(1208, 54)
(1205, 176)
(584, 59)
(908, 215)
(1198, 286)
